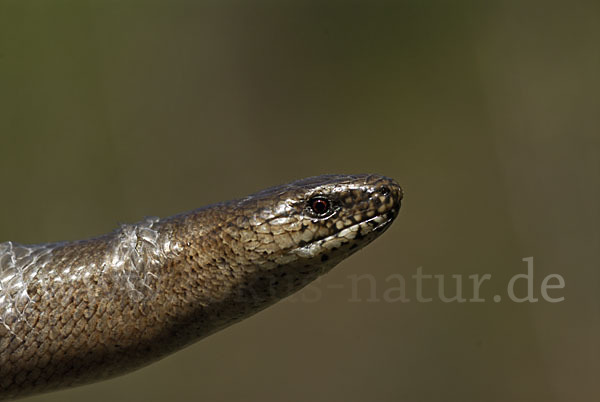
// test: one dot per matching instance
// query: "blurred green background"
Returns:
(487, 113)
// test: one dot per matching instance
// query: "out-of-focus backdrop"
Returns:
(486, 112)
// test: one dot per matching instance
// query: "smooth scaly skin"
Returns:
(78, 312)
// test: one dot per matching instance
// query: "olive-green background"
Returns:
(487, 113)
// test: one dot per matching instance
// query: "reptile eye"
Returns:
(320, 206)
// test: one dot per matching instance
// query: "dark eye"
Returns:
(320, 206)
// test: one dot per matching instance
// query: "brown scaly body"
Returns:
(78, 312)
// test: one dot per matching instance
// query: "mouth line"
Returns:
(384, 223)
(312, 248)
(356, 226)
(381, 224)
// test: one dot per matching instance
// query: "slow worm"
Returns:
(82, 311)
